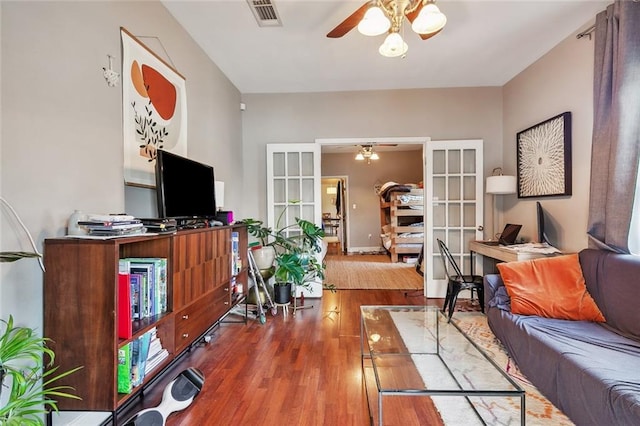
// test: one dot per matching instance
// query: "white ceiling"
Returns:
(485, 43)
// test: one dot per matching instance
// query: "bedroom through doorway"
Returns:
(363, 261)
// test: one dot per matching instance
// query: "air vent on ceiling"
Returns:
(265, 13)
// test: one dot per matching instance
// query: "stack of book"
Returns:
(137, 358)
(142, 291)
(112, 225)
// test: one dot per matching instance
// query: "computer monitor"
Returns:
(542, 233)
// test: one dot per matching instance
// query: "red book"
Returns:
(125, 329)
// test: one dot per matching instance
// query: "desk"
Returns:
(502, 253)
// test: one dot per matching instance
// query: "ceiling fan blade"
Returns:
(428, 36)
(413, 15)
(350, 23)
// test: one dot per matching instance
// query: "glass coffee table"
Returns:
(413, 351)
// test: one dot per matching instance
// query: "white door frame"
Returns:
(413, 140)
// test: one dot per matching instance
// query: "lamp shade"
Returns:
(219, 189)
(429, 20)
(393, 46)
(501, 184)
(374, 22)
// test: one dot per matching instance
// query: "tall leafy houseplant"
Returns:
(296, 247)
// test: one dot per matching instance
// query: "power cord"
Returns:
(33, 244)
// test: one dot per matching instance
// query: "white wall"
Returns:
(62, 146)
(560, 81)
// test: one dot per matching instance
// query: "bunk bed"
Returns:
(402, 220)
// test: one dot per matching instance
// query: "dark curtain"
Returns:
(339, 198)
(616, 127)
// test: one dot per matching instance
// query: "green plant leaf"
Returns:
(12, 256)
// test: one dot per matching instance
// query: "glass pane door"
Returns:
(293, 190)
(454, 206)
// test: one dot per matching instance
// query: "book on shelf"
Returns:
(106, 225)
(156, 282)
(137, 358)
(110, 223)
(143, 353)
(117, 232)
(110, 217)
(156, 352)
(236, 262)
(124, 369)
(134, 372)
(156, 360)
(146, 272)
(124, 313)
(136, 281)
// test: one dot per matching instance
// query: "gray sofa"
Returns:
(590, 371)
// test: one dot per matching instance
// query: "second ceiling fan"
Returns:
(377, 17)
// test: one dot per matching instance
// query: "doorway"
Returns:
(334, 213)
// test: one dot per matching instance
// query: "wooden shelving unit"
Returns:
(396, 217)
(81, 294)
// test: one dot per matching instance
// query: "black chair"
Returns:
(458, 282)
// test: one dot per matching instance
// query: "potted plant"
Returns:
(295, 248)
(31, 381)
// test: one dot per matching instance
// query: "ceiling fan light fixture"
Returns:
(393, 46)
(429, 20)
(359, 156)
(374, 156)
(374, 23)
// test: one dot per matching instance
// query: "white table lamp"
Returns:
(499, 184)
(219, 188)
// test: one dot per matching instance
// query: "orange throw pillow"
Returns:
(550, 287)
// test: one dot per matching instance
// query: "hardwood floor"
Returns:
(297, 370)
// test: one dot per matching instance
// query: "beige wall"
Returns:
(62, 146)
(560, 81)
(364, 220)
(456, 113)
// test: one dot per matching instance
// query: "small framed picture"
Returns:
(544, 158)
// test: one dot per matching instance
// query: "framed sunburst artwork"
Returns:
(544, 158)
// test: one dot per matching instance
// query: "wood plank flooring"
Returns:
(296, 370)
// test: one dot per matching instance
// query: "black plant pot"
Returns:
(282, 293)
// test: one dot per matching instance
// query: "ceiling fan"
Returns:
(366, 152)
(377, 17)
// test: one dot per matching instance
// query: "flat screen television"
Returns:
(184, 188)
(542, 232)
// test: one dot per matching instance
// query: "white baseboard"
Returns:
(373, 249)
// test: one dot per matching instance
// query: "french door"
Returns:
(454, 206)
(293, 190)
